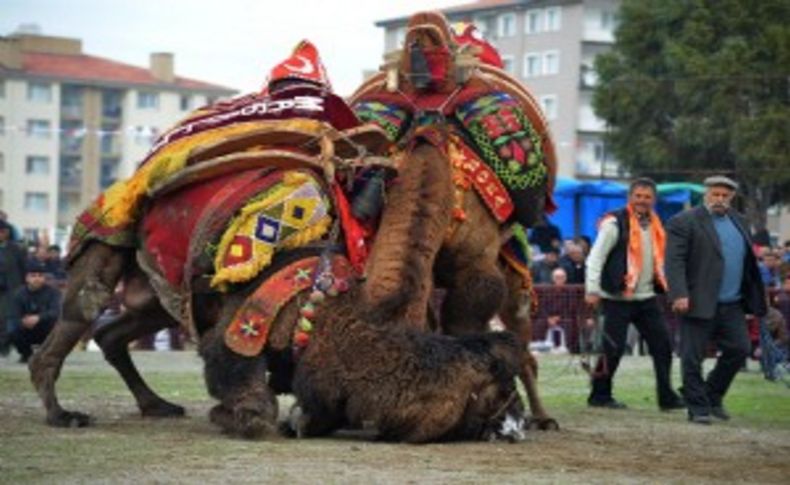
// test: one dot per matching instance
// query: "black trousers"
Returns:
(728, 327)
(24, 338)
(646, 315)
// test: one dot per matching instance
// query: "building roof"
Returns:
(83, 67)
(477, 6)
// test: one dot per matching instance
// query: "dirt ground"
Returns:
(638, 445)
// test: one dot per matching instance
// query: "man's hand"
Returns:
(681, 305)
(30, 321)
(592, 300)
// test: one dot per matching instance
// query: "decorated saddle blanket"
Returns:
(495, 132)
(112, 216)
(248, 331)
(231, 227)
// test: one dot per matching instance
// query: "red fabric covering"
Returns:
(488, 53)
(169, 224)
(355, 233)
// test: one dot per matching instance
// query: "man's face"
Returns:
(642, 199)
(558, 277)
(5, 235)
(35, 280)
(718, 199)
(771, 260)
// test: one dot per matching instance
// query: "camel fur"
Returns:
(409, 385)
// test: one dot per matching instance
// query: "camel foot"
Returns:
(69, 419)
(246, 422)
(542, 424)
(163, 409)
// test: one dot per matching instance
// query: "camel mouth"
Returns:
(512, 428)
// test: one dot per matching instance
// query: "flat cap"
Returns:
(721, 181)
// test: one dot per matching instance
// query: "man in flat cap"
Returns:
(713, 282)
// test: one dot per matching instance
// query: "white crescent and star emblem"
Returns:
(306, 67)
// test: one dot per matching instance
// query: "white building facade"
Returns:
(71, 124)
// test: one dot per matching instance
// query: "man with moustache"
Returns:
(713, 281)
(625, 271)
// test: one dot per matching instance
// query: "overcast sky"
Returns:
(229, 42)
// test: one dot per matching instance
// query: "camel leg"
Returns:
(473, 297)
(516, 318)
(248, 407)
(114, 339)
(92, 280)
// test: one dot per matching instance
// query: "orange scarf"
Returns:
(634, 251)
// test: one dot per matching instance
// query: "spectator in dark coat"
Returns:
(12, 275)
(546, 236)
(714, 281)
(33, 311)
(541, 270)
(573, 264)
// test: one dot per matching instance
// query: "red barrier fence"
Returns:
(567, 302)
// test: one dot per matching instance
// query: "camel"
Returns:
(408, 385)
(232, 169)
(454, 240)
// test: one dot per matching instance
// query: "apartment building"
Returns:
(550, 46)
(72, 123)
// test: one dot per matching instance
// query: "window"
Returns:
(186, 102)
(549, 105)
(553, 19)
(70, 172)
(69, 202)
(36, 201)
(532, 65)
(532, 24)
(551, 62)
(71, 101)
(38, 128)
(147, 100)
(507, 25)
(400, 37)
(486, 25)
(37, 165)
(109, 172)
(509, 65)
(111, 101)
(39, 92)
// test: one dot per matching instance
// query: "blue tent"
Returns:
(581, 203)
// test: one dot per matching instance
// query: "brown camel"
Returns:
(423, 91)
(409, 385)
(254, 157)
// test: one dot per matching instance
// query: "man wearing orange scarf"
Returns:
(625, 271)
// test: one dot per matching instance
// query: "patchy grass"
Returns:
(637, 445)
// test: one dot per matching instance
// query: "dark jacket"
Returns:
(695, 265)
(45, 302)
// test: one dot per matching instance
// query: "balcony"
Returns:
(72, 112)
(70, 144)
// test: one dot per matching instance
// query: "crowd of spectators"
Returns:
(558, 270)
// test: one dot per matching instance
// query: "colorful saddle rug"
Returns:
(249, 329)
(300, 116)
(497, 134)
(232, 226)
